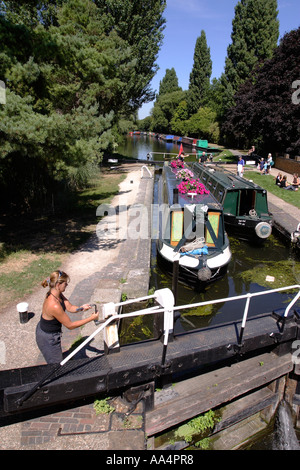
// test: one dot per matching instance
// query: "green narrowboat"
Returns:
(203, 145)
(244, 203)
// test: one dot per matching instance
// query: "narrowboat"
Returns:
(191, 231)
(244, 203)
(169, 138)
(203, 145)
(189, 141)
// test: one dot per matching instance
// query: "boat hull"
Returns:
(193, 272)
(256, 231)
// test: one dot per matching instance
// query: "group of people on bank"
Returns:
(265, 166)
(281, 181)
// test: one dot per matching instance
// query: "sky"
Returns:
(185, 21)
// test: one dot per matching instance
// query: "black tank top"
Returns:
(52, 326)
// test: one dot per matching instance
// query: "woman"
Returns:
(269, 163)
(295, 183)
(278, 179)
(284, 183)
(48, 330)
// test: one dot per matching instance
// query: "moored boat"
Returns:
(191, 231)
(244, 203)
(189, 141)
(203, 145)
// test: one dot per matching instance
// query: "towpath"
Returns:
(111, 262)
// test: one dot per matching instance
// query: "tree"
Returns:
(179, 119)
(265, 113)
(214, 97)
(169, 82)
(71, 72)
(140, 23)
(164, 109)
(200, 75)
(255, 32)
(203, 125)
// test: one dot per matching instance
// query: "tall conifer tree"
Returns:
(169, 82)
(200, 75)
(255, 32)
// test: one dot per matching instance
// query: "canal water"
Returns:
(252, 269)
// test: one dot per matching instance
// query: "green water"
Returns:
(252, 269)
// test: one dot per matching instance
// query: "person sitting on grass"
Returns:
(284, 183)
(295, 183)
(278, 179)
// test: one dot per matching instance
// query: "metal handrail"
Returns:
(158, 309)
(168, 309)
(163, 153)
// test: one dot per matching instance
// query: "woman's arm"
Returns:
(65, 320)
(74, 308)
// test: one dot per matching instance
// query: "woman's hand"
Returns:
(85, 307)
(94, 316)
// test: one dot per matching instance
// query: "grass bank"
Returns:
(32, 246)
(268, 182)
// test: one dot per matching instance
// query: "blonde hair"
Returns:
(54, 278)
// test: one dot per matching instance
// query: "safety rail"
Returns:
(166, 299)
(162, 153)
(144, 167)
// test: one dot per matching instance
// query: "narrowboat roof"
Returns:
(224, 177)
(183, 199)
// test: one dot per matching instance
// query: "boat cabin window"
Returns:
(213, 229)
(212, 232)
(176, 227)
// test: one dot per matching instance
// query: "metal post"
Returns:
(244, 320)
(166, 299)
(175, 278)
